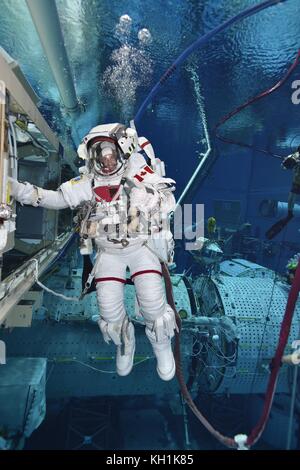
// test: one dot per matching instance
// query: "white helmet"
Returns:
(106, 148)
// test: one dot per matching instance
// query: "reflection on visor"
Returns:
(105, 158)
(108, 161)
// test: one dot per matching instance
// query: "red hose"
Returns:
(275, 365)
(226, 441)
(285, 326)
(276, 362)
(251, 101)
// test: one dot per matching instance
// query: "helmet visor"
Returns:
(105, 158)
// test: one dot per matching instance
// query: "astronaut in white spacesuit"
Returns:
(124, 204)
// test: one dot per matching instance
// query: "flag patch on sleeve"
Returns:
(76, 180)
(144, 171)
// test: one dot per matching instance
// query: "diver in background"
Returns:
(114, 193)
(292, 162)
(291, 267)
(212, 228)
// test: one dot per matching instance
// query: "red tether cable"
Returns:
(226, 441)
(284, 330)
(276, 362)
(275, 365)
(251, 101)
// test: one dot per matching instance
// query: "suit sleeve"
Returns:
(26, 193)
(150, 187)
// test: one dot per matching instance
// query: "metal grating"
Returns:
(257, 307)
(244, 268)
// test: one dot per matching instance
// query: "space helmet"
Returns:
(107, 147)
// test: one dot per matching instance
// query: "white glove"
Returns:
(22, 192)
(26, 193)
(143, 200)
(14, 187)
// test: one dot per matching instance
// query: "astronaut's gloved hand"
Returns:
(22, 192)
(133, 220)
(144, 200)
(25, 193)
(16, 188)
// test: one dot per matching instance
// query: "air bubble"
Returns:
(125, 19)
(130, 68)
(123, 27)
(144, 36)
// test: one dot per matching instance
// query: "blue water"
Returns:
(113, 72)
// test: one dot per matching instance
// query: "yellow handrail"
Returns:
(2, 142)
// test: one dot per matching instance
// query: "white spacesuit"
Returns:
(123, 205)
